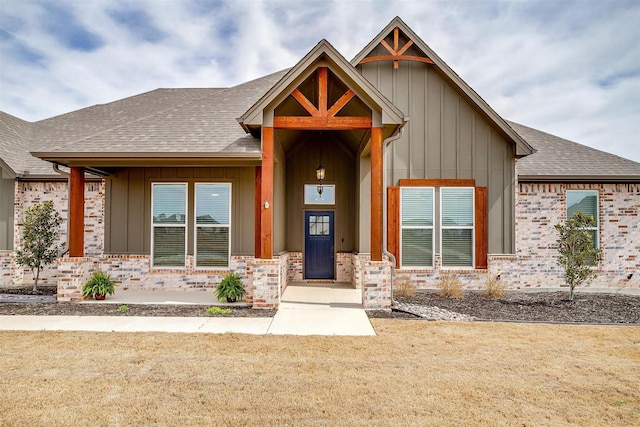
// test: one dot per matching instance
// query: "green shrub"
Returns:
(230, 288)
(218, 310)
(100, 283)
(40, 231)
(577, 253)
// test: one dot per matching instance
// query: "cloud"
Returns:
(571, 68)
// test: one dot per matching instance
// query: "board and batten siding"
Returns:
(128, 206)
(302, 161)
(448, 138)
(7, 190)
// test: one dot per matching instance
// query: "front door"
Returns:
(318, 245)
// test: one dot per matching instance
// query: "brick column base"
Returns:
(73, 273)
(266, 283)
(376, 283)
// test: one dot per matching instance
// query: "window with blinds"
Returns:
(212, 224)
(457, 226)
(416, 225)
(585, 201)
(168, 224)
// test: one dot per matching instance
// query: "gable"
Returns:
(399, 45)
(297, 81)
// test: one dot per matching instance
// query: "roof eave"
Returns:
(618, 179)
(150, 159)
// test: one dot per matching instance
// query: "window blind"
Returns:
(169, 224)
(456, 218)
(213, 220)
(416, 221)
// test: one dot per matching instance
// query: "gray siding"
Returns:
(302, 161)
(279, 200)
(128, 206)
(7, 189)
(447, 137)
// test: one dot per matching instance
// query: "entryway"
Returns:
(319, 256)
(321, 309)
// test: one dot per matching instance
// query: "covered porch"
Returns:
(317, 194)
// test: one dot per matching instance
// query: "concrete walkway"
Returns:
(321, 309)
(306, 309)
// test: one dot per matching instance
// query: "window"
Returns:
(319, 225)
(585, 201)
(213, 223)
(172, 212)
(168, 225)
(454, 211)
(312, 197)
(456, 224)
(416, 225)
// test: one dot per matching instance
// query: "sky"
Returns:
(570, 68)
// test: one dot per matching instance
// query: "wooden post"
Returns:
(76, 213)
(266, 208)
(393, 222)
(482, 228)
(376, 194)
(258, 213)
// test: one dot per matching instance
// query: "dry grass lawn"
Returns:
(413, 373)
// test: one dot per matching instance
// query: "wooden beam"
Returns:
(393, 222)
(305, 103)
(397, 58)
(437, 183)
(482, 228)
(406, 46)
(340, 103)
(396, 38)
(376, 193)
(323, 90)
(266, 205)
(386, 46)
(320, 123)
(257, 219)
(76, 213)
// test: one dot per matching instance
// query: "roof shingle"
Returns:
(561, 159)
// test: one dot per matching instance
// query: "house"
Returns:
(358, 171)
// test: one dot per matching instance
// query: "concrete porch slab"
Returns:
(321, 309)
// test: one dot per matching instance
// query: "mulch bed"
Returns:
(514, 306)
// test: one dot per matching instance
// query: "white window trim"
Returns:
(413, 227)
(195, 227)
(466, 227)
(597, 227)
(185, 225)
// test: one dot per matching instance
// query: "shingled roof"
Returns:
(163, 120)
(194, 122)
(560, 160)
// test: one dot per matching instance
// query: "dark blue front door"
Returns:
(318, 245)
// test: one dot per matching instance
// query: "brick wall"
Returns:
(534, 265)
(28, 193)
(541, 206)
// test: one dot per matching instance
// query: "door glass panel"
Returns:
(319, 225)
(325, 225)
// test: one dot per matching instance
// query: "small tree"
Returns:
(577, 252)
(40, 230)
